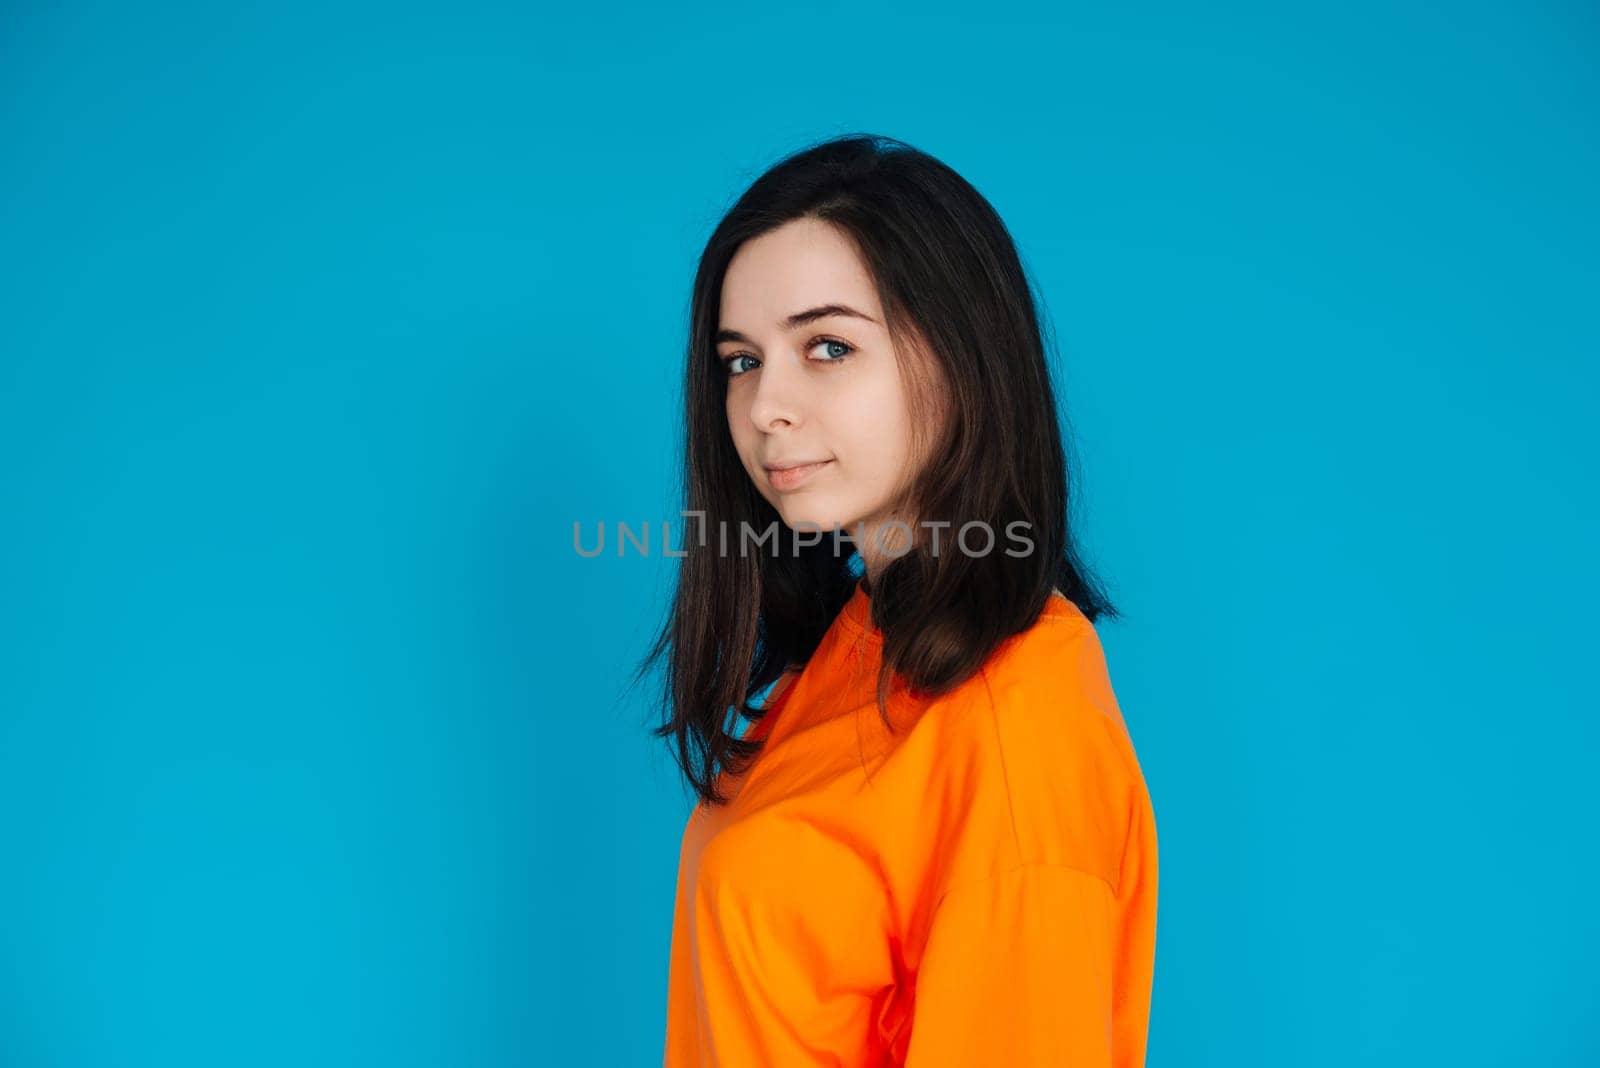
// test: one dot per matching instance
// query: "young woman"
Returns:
(934, 844)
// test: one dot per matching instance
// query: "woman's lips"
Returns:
(795, 477)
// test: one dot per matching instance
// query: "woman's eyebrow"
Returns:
(799, 319)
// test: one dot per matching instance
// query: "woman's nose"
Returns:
(779, 395)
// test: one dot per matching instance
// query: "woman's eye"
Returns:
(732, 363)
(831, 343)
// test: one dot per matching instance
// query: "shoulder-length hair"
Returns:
(953, 289)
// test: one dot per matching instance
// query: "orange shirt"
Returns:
(979, 889)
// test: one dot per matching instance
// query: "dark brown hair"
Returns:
(954, 292)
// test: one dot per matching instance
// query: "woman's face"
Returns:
(813, 379)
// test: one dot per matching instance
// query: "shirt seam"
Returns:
(1005, 773)
(1005, 780)
(851, 624)
(1000, 748)
(962, 885)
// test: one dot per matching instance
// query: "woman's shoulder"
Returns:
(1056, 668)
(1071, 775)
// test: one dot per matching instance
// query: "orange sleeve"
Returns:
(1041, 965)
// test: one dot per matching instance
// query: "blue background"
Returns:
(319, 328)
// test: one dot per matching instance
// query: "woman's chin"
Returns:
(823, 519)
